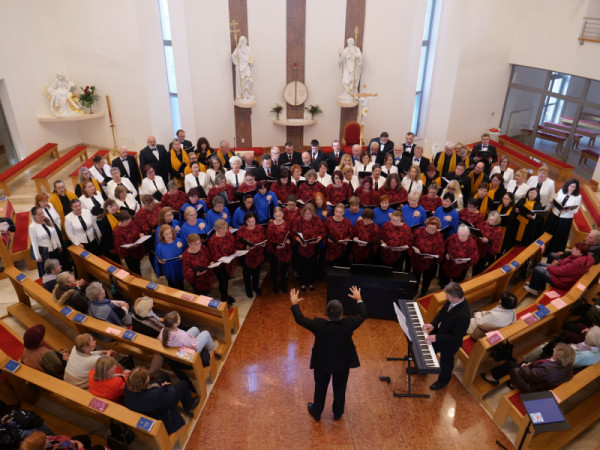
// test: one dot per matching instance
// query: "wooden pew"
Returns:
(588, 153)
(561, 133)
(547, 136)
(29, 318)
(592, 135)
(88, 163)
(41, 179)
(222, 320)
(588, 216)
(563, 170)
(14, 246)
(593, 122)
(518, 159)
(78, 400)
(16, 170)
(142, 346)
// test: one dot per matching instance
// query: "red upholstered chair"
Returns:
(351, 134)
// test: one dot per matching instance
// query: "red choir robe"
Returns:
(198, 262)
(282, 191)
(457, 249)
(127, 235)
(337, 231)
(396, 195)
(394, 236)
(432, 244)
(310, 229)
(367, 198)
(337, 195)
(305, 191)
(276, 234)
(256, 256)
(222, 246)
(494, 235)
(430, 204)
(367, 233)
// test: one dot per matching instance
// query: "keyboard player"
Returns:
(446, 331)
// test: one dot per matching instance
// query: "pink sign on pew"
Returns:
(552, 294)
(558, 303)
(203, 300)
(121, 274)
(494, 337)
(530, 318)
(114, 331)
(581, 287)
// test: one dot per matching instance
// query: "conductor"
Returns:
(333, 353)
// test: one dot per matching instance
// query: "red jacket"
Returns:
(566, 273)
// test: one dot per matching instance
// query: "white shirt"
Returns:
(391, 170)
(39, 238)
(508, 176)
(75, 231)
(574, 200)
(96, 174)
(354, 182)
(148, 188)
(230, 177)
(129, 203)
(79, 366)
(325, 181)
(417, 186)
(360, 167)
(126, 165)
(547, 190)
(211, 174)
(87, 203)
(521, 191)
(112, 185)
(190, 182)
(52, 214)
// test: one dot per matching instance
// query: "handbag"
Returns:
(503, 351)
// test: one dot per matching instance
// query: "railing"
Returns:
(590, 31)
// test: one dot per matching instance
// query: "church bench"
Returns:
(590, 124)
(41, 179)
(257, 151)
(588, 216)
(554, 164)
(221, 320)
(519, 159)
(78, 400)
(588, 153)
(561, 133)
(581, 410)
(547, 136)
(23, 165)
(88, 163)
(14, 246)
(592, 135)
(142, 346)
(591, 202)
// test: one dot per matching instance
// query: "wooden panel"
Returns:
(355, 17)
(295, 56)
(238, 11)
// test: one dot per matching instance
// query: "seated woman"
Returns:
(537, 376)
(106, 380)
(172, 336)
(111, 311)
(395, 234)
(366, 237)
(501, 316)
(82, 359)
(587, 351)
(174, 198)
(144, 320)
(196, 260)
(159, 402)
(68, 292)
(460, 255)
(153, 184)
(194, 199)
(168, 256)
(283, 187)
(561, 274)
(38, 355)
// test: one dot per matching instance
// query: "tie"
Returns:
(127, 206)
(47, 231)
(155, 186)
(376, 185)
(198, 180)
(314, 157)
(49, 216)
(539, 185)
(84, 226)
(268, 174)
(410, 186)
(565, 200)
(96, 203)
(237, 182)
(516, 187)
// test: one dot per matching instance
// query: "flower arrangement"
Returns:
(89, 97)
(313, 109)
(277, 109)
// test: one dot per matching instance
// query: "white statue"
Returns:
(63, 100)
(243, 60)
(350, 60)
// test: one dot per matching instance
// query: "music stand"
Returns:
(409, 357)
(544, 413)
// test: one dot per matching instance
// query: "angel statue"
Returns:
(63, 100)
(243, 60)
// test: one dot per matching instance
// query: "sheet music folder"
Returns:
(544, 412)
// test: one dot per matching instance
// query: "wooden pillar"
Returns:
(355, 17)
(238, 11)
(295, 55)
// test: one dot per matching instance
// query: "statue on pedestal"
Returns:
(350, 60)
(243, 60)
(63, 100)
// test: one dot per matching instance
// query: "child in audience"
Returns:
(173, 336)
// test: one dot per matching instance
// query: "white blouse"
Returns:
(51, 213)
(148, 188)
(325, 181)
(508, 176)
(547, 190)
(360, 167)
(39, 238)
(416, 186)
(391, 170)
(87, 203)
(129, 203)
(112, 185)
(354, 182)
(75, 231)
(520, 193)
(190, 182)
(573, 200)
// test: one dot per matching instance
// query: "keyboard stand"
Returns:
(410, 359)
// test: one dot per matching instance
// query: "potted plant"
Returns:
(89, 97)
(313, 109)
(277, 110)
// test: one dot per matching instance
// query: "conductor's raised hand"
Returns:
(355, 293)
(294, 296)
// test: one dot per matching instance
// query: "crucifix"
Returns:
(235, 30)
(362, 99)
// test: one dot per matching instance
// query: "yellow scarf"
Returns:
(475, 182)
(492, 193)
(188, 169)
(112, 220)
(484, 206)
(176, 164)
(523, 221)
(442, 160)
(58, 205)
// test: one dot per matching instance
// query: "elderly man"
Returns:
(356, 154)
(333, 353)
(446, 160)
(593, 242)
(128, 166)
(157, 156)
(333, 159)
(223, 153)
(268, 170)
(477, 176)
(275, 155)
(248, 161)
(185, 145)
(383, 146)
(289, 157)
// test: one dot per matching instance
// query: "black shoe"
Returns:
(284, 288)
(249, 293)
(303, 288)
(437, 386)
(484, 378)
(190, 412)
(275, 289)
(310, 405)
(230, 300)
(257, 291)
(311, 287)
(337, 417)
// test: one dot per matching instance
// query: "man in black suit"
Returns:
(333, 353)
(248, 161)
(409, 146)
(316, 155)
(384, 146)
(485, 152)
(333, 159)
(460, 175)
(267, 170)
(186, 145)
(289, 156)
(157, 156)
(128, 166)
(417, 159)
(446, 331)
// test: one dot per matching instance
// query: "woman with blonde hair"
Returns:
(412, 181)
(518, 187)
(106, 380)
(454, 188)
(69, 292)
(143, 319)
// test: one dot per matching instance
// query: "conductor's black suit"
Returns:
(333, 355)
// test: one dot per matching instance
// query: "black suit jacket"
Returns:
(388, 147)
(333, 350)
(261, 174)
(284, 159)
(491, 152)
(161, 165)
(186, 145)
(333, 162)
(135, 177)
(407, 149)
(451, 326)
(321, 156)
(407, 162)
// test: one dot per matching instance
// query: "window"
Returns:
(425, 47)
(170, 63)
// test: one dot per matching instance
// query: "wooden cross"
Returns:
(363, 98)
(234, 30)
